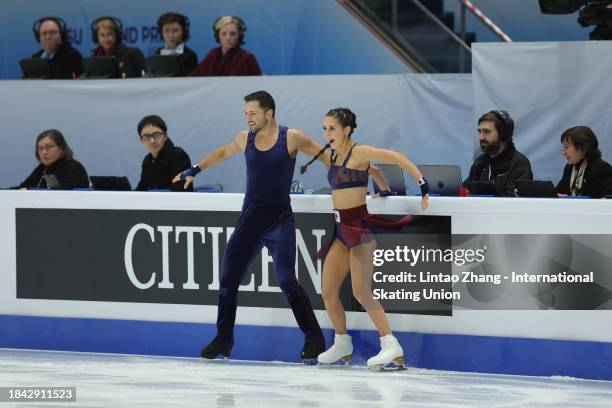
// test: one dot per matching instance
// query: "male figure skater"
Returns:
(266, 219)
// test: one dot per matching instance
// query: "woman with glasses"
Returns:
(164, 161)
(174, 29)
(57, 168)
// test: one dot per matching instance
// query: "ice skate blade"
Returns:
(344, 362)
(395, 365)
(216, 360)
(310, 361)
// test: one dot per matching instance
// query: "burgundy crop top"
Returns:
(340, 177)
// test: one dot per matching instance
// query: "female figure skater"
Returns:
(348, 164)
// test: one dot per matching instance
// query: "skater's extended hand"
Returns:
(384, 193)
(424, 186)
(187, 176)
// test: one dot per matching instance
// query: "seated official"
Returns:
(500, 163)
(56, 161)
(164, 161)
(229, 59)
(585, 173)
(52, 34)
(108, 33)
(174, 28)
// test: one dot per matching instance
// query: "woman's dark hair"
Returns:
(58, 139)
(172, 17)
(152, 120)
(583, 138)
(345, 117)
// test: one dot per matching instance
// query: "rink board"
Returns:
(531, 342)
(486, 354)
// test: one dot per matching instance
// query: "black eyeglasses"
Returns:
(46, 147)
(147, 137)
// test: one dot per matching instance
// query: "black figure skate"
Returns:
(218, 346)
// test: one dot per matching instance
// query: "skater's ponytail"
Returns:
(304, 167)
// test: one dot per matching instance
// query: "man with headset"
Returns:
(52, 34)
(500, 163)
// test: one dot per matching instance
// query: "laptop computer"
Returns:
(444, 179)
(110, 183)
(480, 188)
(535, 188)
(164, 66)
(394, 176)
(99, 68)
(36, 68)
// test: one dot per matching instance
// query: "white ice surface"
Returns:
(110, 380)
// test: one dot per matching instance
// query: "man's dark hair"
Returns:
(58, 139)
(583, 138)
(152, 120)
(504, 124)
(266, 101)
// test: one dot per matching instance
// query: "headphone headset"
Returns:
(63, 28)
(239, 23)
(183, 21)
(505, 125)
(117, 28)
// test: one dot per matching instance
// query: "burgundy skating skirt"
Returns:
(355, 226)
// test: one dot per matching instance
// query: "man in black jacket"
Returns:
(500, 163)
(52, 34)
(164, 161)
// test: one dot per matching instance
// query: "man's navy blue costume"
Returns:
(266, 220)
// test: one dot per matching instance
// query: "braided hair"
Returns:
(345, 117)
(304, 167)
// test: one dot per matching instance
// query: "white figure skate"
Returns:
(391, 356)
(341, 350)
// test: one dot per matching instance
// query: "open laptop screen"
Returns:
(110, 183)
(35, 68)
(535, 188)
(164, 66)
(394, 176)
(444, 179)
(99, 68)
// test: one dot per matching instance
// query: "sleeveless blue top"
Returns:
(269, 173)
(340, 177)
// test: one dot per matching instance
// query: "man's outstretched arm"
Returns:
(219, 155)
